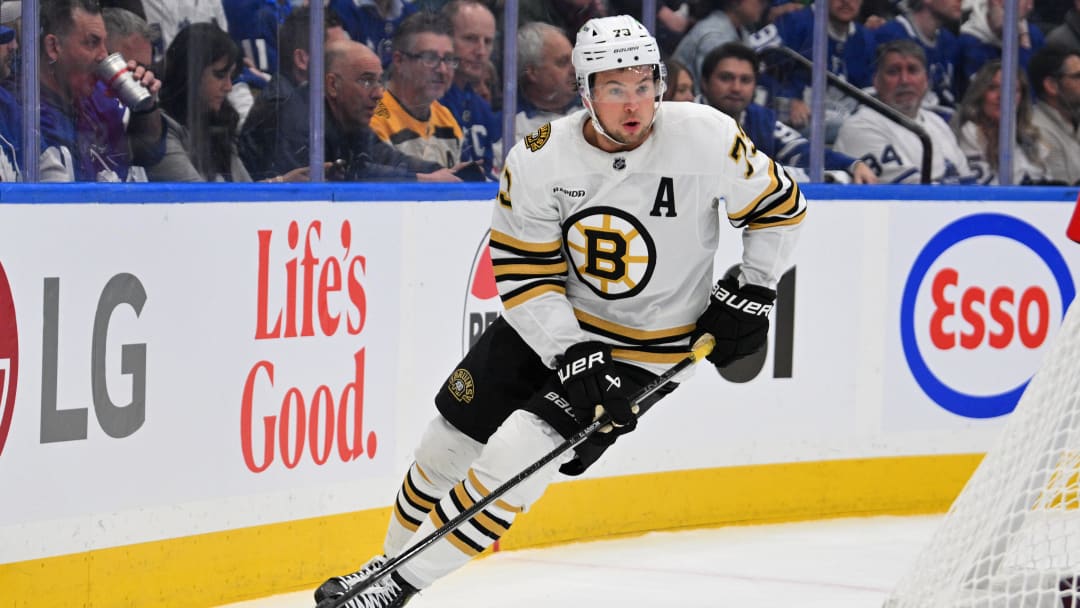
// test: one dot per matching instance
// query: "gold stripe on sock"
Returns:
(505, 506)
(408, 525)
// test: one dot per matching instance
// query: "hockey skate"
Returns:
(337, 586)
(390, 592)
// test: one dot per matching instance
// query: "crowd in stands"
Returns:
(412, 88)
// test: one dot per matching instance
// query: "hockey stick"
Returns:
(700, 349)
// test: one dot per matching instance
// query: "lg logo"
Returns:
(71, 423)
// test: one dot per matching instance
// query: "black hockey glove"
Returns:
(738, 317)
(593, 385)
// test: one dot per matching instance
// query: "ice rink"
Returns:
(842, 563)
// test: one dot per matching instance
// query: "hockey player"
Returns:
(603, 238)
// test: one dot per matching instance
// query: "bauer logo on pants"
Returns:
(9, 357)
(974, 331)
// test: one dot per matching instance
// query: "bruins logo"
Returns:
(381, 111)
(610, 251)
(461, 385)
(535, 141)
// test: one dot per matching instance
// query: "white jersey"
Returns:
(1026, 169)
(619, 247)
(895, 153)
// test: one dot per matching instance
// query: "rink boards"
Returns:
(203, 401)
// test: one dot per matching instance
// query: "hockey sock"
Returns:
(467, 541)
(415, 500)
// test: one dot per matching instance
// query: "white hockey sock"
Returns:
(467, 541)
(415, 499)
(519, 441)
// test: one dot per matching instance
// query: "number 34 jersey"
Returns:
(619, 246)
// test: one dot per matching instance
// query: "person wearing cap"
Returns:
(603, 238)
(87, 134)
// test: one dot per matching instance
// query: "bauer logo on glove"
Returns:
(738, 317)
(734, 300)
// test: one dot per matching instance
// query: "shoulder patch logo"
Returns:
(461, 385)
(535, 141)
(381, 111)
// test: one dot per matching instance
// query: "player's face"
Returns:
(623, 100)
(901, 82)
(730, 87)
(474, 37)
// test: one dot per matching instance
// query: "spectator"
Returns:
(1067, 34)
(728, 81)
(170, 16)
(977, 122)
(730, 20)
(490, 89)
(201, 124)
(473, 32)
(83, 135)
(680, 83)
(893, 152)
(353, 88)
(11, 18)
(129, 35)
(850, 47)
(253, 24)
(673, 20)
(930, 23)
(373, 22)
(567, 15)
(547, 88)
(409, 116)
(10, 113)
(1054, 72)
(980, 39)
(259, 132)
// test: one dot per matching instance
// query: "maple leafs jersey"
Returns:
(619, 246)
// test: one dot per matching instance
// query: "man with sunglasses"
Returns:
(410, 117)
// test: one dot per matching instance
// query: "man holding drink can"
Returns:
(99, 113)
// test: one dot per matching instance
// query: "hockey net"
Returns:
(1012, 537)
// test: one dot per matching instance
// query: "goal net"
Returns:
(1012, 537)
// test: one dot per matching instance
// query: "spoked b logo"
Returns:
(610, 251)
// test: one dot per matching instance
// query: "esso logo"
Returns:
(9, 357)
(979, 308)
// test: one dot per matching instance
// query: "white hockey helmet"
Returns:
(608, 43)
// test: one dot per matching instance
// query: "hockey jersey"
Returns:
(619, 247)
(437, 139)
(895, 153)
